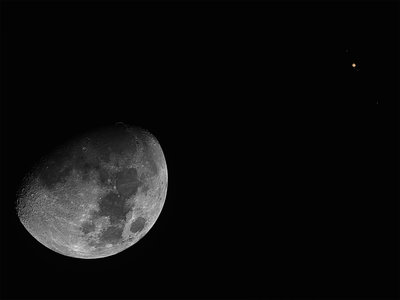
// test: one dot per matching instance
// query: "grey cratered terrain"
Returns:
(96, 195)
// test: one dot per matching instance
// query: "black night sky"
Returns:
(281, 155)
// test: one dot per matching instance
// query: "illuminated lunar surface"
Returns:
(96, 195)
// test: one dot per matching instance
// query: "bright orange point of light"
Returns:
(353, 65)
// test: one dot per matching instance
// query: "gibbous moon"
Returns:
(97, 194)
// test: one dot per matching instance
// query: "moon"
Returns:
(97, 194)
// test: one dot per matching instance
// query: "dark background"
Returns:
(281, 156)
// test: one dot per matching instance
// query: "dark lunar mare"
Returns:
(114, 205)
(112, 235)
(127, 182)
(138, 225)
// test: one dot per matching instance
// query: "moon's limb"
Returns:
(54, 215)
